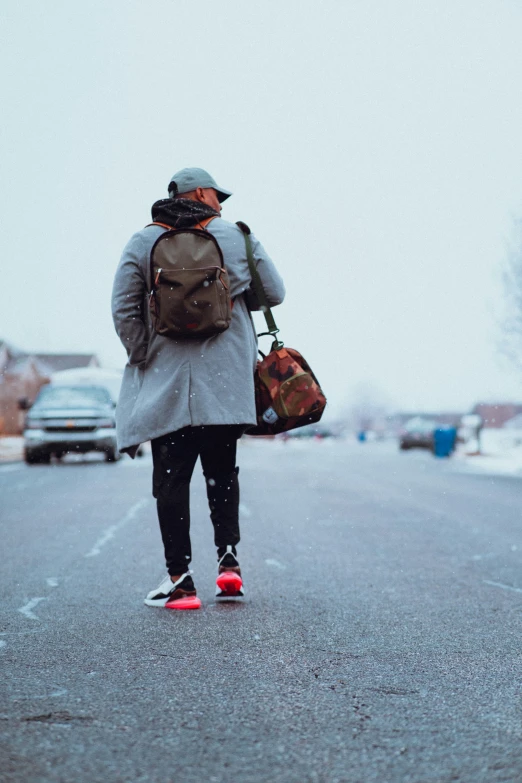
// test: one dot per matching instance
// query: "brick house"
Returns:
(496, 414)
(23, 374)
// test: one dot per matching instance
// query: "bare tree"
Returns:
(368, 407)
(511, 325)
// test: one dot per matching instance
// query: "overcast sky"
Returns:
(373, 147)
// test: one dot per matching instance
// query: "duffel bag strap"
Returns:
(259, 290)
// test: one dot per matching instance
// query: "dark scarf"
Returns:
(181, 212)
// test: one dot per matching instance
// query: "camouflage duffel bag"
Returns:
(288, 394)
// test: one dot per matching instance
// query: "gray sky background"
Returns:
(373, 147)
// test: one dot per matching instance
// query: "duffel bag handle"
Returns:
(259, 290)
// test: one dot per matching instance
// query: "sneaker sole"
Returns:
(229, 586)
(158, 602)
(223, 599)
(188, 602)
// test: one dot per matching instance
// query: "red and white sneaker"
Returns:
(175, 595)
(229, 584)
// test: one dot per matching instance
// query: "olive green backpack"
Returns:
(190, 290)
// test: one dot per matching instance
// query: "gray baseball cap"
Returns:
(189, 179)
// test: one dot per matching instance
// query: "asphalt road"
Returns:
(380, 639)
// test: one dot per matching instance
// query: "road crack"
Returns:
(61, 716)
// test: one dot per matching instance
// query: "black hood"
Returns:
(181, 212)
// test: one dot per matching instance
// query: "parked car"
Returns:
(70, 419)
(417, 433)
(317, 431)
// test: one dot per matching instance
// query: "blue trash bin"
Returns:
(444, 440)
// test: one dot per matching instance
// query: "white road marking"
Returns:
(503, 586)
(113, 529)
(244, 510)
(52, 581)
(27, 609)
(61, 692)
(275, 564)
(2, 643)
(54, 694)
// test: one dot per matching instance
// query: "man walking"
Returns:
(190, 396)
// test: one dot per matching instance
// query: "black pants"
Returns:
(174, 456)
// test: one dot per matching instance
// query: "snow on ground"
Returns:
(11, 448)
(501, 453)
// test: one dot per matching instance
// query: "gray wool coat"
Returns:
(173, 383)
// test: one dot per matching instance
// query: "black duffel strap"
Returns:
(259, 291)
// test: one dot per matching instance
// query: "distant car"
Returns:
(70, 419)
(317, 431)
(417, 433)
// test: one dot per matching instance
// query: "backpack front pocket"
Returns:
(296, 395)
(191, 301)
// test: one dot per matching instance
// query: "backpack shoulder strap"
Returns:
(163, 225)
(202, 224)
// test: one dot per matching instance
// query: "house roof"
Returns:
(12, 351)
(55, 362)
(17, 364)
(13, 359)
